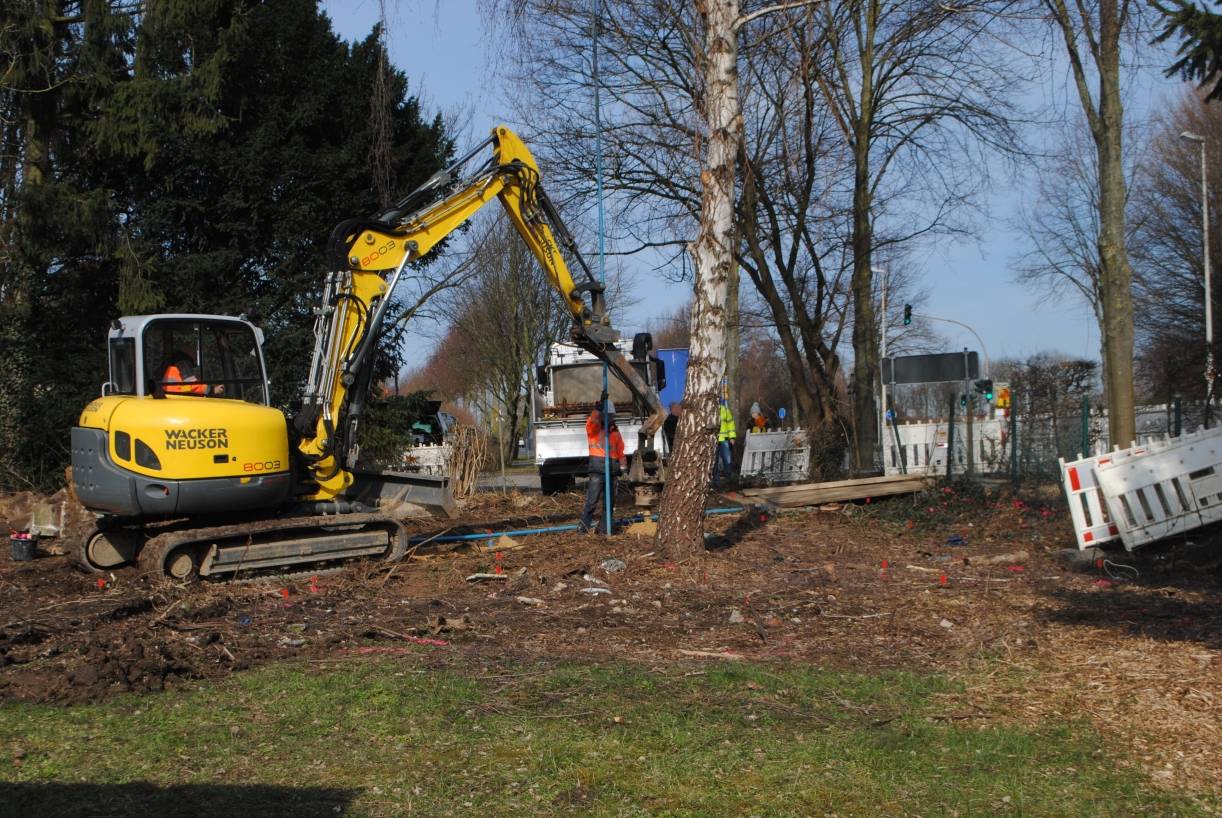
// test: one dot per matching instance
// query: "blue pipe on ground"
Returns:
(555, 529)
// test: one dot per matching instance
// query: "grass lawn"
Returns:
(388, 738)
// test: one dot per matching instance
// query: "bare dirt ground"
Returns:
(950, 581)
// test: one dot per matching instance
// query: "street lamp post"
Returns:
(1209, 313)
(983, 349)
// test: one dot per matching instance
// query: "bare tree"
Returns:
(505, 316)
(681, 521)
(674, 329)
(764, 375)
(916, 92)
(1167, 257)
(934, 98)
(1062, 225)
(792, 215)
(1094, 36)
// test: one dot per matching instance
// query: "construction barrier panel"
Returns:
(1168, 487)
(779, 457)
(1092, 524)
(922, 447)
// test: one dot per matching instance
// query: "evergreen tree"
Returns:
(237, 220)
(1200, 51)
(57, 249)
(174, 156)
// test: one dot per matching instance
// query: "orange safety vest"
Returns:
(180, 385)
(594, 437)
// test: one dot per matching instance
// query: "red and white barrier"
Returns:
(1093, 524)
(1174, 486)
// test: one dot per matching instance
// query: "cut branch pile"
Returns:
(470, 454)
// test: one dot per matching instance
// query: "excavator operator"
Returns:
(180, 377)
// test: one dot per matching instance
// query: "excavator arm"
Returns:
(369, 256)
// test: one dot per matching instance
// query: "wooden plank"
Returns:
(855, 488)
(835, 484)
(817, 496)
(839, 495)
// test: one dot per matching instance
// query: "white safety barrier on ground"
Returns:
(1169, 487)
(780, 457)
(1087, 507)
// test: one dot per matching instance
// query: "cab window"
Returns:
(123, 366)
(217, 359)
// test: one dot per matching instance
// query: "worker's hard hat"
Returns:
(610, 407)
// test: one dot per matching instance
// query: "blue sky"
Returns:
(440, 45)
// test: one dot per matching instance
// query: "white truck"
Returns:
(567, 386)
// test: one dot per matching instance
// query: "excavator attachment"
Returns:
(646, 472)
(402, 495)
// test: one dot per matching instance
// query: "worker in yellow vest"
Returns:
(726, 435)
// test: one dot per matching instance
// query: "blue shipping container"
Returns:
(675, 361)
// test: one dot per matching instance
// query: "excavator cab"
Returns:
(183, 425)
(186, 355)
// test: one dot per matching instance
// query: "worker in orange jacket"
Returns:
(181, 378)
(595, 440)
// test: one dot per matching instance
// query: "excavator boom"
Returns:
(369, 256)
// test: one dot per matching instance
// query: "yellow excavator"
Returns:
(192, 474)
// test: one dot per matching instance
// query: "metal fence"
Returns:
(1024, 446)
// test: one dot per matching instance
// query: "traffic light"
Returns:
(907, 314)
(963, 401)
(985, 387)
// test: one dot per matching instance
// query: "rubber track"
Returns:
(151, 560)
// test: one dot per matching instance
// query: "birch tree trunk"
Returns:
(681, 521)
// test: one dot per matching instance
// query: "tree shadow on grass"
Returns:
(145, 800)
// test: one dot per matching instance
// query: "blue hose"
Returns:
(555, 529)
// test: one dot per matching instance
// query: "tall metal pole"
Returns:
(602, 263)
(1209, 304)
(1210, 374)
(969, 436)
(950, 439)
(1013, 439)
(1085, 450)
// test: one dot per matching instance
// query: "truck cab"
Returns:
(567, 386)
